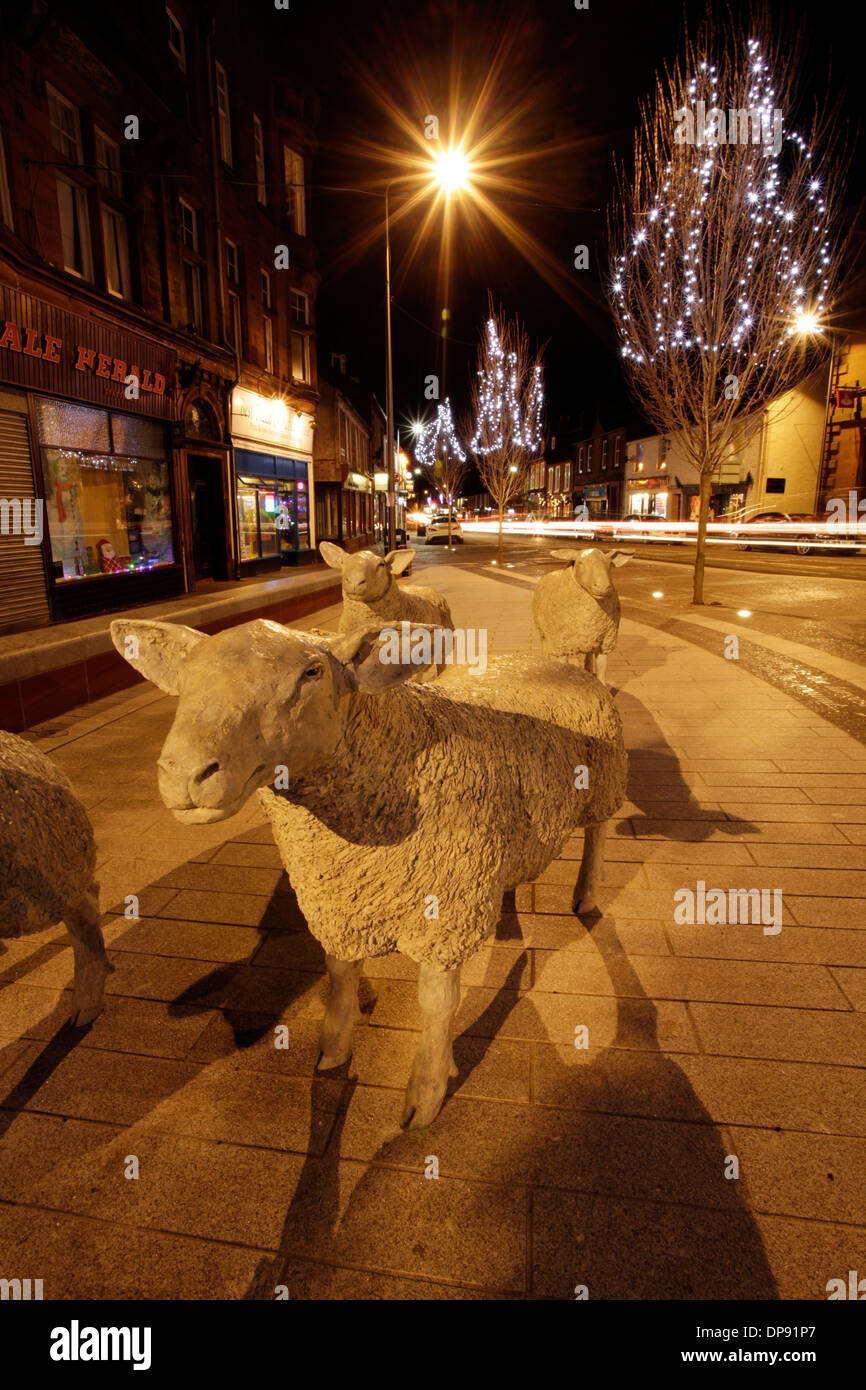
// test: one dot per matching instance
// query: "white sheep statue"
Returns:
(47, 863)
(576, 610)
(410, 809)
(371, 596)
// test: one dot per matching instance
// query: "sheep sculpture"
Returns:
(576, 610)
(410, 808)
(47, 863)
(371, 595)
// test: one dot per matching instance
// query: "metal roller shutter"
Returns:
(22, 576)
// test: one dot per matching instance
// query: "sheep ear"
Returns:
(372, 658)
(572, 556)
(157, 650)
(332, 555)
(398, 560)
(620, 557)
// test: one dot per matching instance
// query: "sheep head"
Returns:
(253, 699)
(366, 576)
(591, 569)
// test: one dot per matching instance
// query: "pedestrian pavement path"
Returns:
(609, 1166)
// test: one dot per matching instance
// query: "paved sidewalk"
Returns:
(558, 1167)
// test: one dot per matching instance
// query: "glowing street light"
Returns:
(451, 170)
(807, 323)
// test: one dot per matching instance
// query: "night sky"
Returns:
(573, 79)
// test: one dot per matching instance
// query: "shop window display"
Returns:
(107, 492)
(273, 517)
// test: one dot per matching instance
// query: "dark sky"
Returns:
(572, 81)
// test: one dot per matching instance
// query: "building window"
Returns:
(194, 297)
(300, 358)
(65, 126)
(604, 453)
(233, 263)
(299, 308)
(5, 199)
(640, 452)
(617, 445)
(108, 164)
(566, 477)
(589, 458)
(293, 166)
(775, 485)
(266, 291)
(74, 229)
(259, 147)
(235, 326)
(269, 343)
(176, 41)
(107, 491)
(189, 226)
(225, 123)
(117, 278)
(580, 459)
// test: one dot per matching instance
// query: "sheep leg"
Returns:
(589, 878)
(438, 997)
(335, 1039)
(92, 966)
(596, 665)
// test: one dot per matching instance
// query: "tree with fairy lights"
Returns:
(508, 406)
(725, 246)
(440, 454)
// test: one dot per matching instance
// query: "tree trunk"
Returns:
(701, 547)
(450, 511)
(500, 531)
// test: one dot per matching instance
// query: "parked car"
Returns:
(776, 531)
(437, 529)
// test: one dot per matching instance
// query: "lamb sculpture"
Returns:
(576, 610)
(410, 808)
(47, 863)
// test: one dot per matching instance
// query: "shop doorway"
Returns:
(207, 516)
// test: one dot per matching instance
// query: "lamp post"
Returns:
(809, 325)
(450, 171)
(389, 381)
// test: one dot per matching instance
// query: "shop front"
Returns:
(726, 499)
(273, 476)
(648, 497)
(596, 499)
(85, 440)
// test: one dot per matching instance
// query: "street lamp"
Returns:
(450, 172)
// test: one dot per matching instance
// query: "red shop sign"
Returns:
(48, 349)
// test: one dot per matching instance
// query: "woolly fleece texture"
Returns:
(47, 853)
(571, 621)
(461, 789)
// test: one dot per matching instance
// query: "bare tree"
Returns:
(508, 409)
(441, 455)
(726, 245)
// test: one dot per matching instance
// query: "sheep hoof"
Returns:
(423, 1103)
(83, 1015)
(582, 902)
(328, 1060)
(88, 991)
